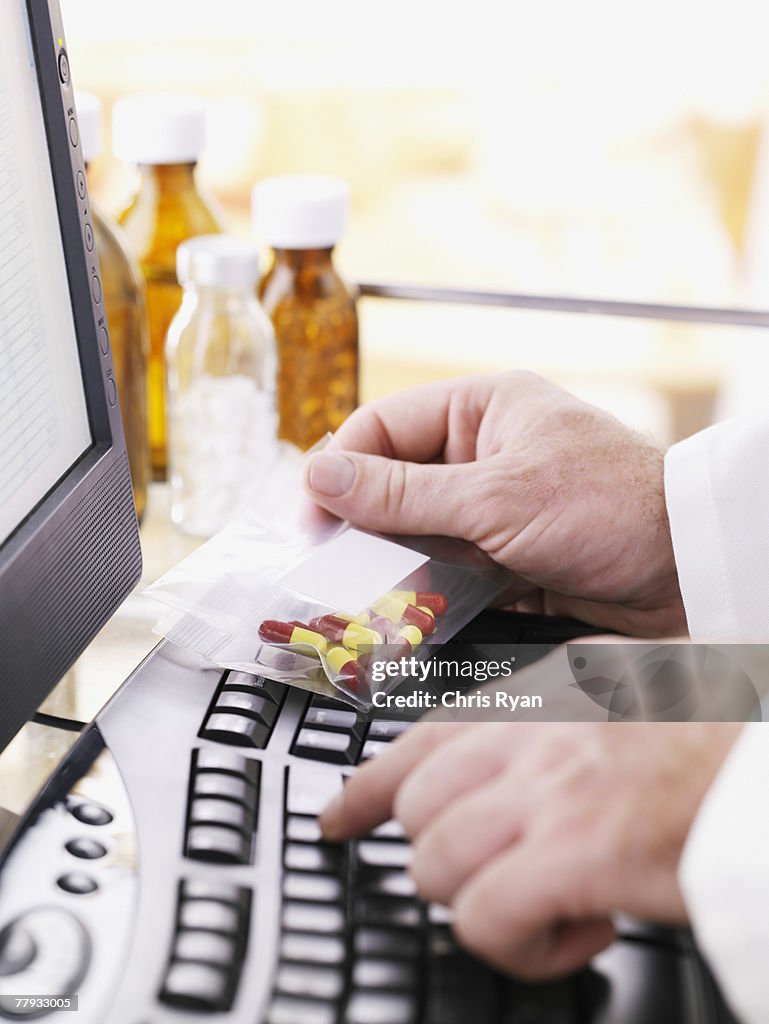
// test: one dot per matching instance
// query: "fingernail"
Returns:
(331, 475)
(331, 819)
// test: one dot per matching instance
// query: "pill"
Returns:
(437, 603)
(351, 634)
(411, 633)
(363, 619)
(345, 665)
(397, 610)
(274, 632)
(386, 629)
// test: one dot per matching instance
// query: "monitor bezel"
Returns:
(63, 516)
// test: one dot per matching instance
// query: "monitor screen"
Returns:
(44, 426)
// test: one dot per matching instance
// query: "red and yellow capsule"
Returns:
(351, 634)
(344, 664)
(436, 603)
(397, 610)
(363, 619)
(274, 632)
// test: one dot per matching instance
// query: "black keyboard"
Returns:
(173, 870)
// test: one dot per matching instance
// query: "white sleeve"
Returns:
(724, 876)
(717, 495)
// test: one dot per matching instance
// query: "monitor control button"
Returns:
(63, 67)
(103, 340)
(43, 950)
(88, 235)
(81, 184)
(96, 288)
(111, 391)
(74, 134)
(77, 883)
(85, 849)
(92, 814)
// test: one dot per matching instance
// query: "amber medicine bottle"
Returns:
(312, 309)
(163, 135)
(126, 308)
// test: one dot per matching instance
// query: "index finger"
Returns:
(367, 798)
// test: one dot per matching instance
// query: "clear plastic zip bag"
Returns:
(336, 614)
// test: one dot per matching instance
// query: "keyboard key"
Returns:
(324, 745)
(387, 942)
(384, 854)
(218, 845)
(311, 787)
(441, 942)
(313, 917)
(209, 915)
(387, 728)
(255, 684)
(318, 888)
(386, 882)
(303, 829)
(197, 987)
(221, 812)
(389, 830)
(399, 974)
(332, 718)
(262, 708)
(224, 761)
(460, 988)
(381, 1008)
(438, 914)
(322, 858)
(226, 787)
(389, 912)
(205, 947)
(239, 730)
(310, 981)
(312, 948)
(202, 889)
(285, 1010)
(372, 748)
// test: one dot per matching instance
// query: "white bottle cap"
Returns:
(159, 128)
(301, 211)
(90, 116)
(218, 261)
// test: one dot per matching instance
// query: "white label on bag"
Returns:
(350, 572)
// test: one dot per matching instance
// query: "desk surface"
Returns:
(113, 654)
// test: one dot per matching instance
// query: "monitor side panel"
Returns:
(76, 556)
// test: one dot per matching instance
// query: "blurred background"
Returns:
(591, 149)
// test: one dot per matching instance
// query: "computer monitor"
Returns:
(69, 549)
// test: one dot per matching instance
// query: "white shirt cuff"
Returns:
(717, 495)
(724, 875)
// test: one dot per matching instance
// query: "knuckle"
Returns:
(523, 378)
(433, 865)
(395, 487)
(467, 926)
(407, 807)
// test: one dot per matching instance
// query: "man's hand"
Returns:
(536, 833)
(556, 490)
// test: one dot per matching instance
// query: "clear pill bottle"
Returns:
(221, 360)
(126, 307)
(164, 135)
(302, 217)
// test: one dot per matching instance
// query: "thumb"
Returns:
(394, 496)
